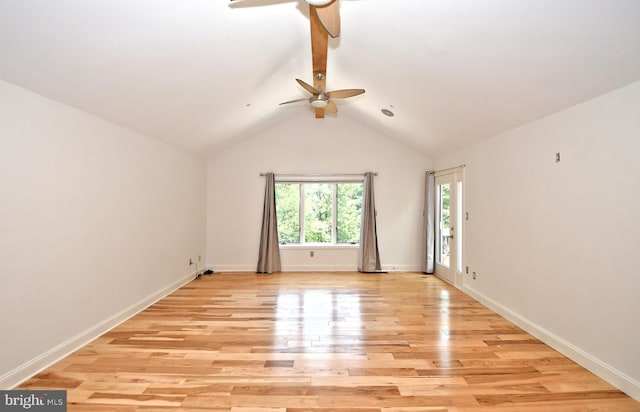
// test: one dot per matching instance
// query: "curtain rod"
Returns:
(447, 169)
(318, 174)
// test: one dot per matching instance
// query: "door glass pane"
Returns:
(444, 198)
(318, 212)
(459, 213)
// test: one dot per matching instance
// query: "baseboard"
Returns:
(36, 365)
(289, 268)
(610, 374)
(232, 268)
(319, 268)
(315, 268)
(401, 268)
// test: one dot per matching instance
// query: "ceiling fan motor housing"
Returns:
(318, 2)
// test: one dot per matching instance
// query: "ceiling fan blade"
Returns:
(236, 4)
(308, 87)
(329, 17)
(331, 106)
(340, 94)
(304, 99)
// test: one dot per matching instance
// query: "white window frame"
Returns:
(328, 179)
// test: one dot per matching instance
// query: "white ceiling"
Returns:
(199, 73)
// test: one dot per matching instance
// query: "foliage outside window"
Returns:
(319, 212)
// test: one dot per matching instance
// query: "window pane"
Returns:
(318, 212)
(349, 205)
(288, 211)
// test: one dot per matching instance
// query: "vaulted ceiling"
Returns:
(200, 73)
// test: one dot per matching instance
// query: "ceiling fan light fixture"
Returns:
(318, 2)
(319, 102)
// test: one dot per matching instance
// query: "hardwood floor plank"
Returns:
(320, 342)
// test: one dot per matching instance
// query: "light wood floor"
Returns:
(323, 342)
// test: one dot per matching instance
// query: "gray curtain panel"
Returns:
(269, 254)
(429, 223)
(368, 254)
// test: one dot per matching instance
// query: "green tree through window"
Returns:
(331, 212)
(318, 213)
(349, 207)
(288, 212)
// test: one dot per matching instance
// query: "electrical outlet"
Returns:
(466, 269)
(311, 253)
(199, 258)
(190, 261)
(474, 275)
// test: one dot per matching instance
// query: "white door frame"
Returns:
(454, 272)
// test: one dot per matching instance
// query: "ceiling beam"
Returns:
(319, 48)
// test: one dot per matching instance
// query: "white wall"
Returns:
(95, 223)
(331, 145)
(555, 246)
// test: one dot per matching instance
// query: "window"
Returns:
(319, 212)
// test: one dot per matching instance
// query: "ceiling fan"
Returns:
(321, 99)
(327, 12)
(324, 19)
